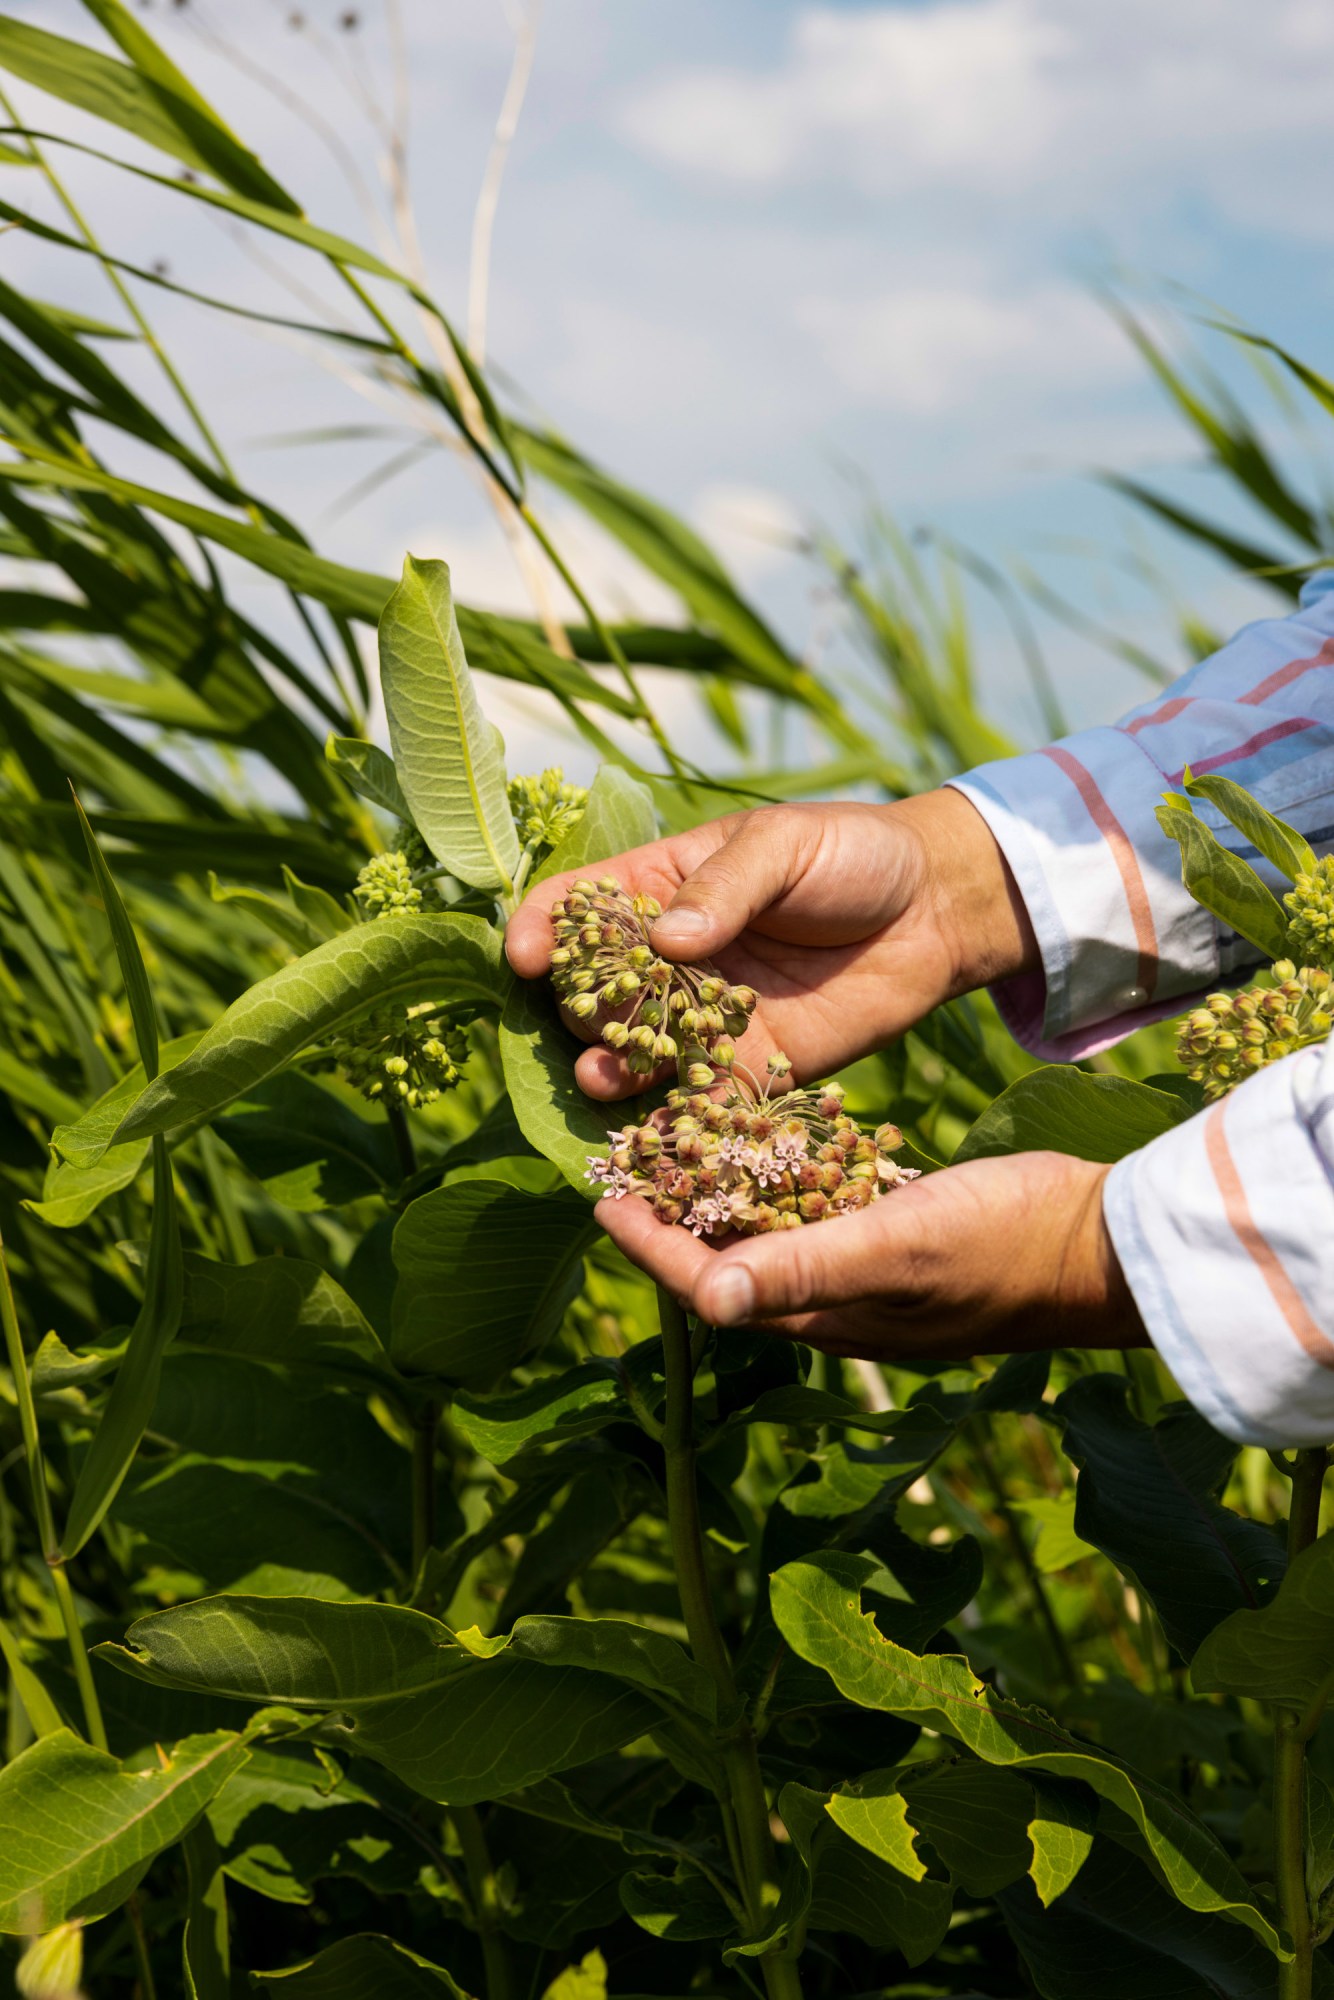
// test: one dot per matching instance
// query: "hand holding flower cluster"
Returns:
(604, 966)
(751, 1161)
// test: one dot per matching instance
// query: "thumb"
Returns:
(754, 866)
(794, 1270)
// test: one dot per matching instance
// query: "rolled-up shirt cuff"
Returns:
(1224, 1228)
(1122, 942)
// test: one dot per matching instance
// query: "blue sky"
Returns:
(741, 248)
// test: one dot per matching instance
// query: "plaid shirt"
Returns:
(1224, 1226)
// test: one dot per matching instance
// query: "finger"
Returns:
(760, 860)
(602, 1074)
(672, 1257)
(654, 868)
(835, 1263)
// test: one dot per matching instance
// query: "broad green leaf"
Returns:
(129, 1406)
(837, 1885)
(1283, 1653)
(585, 1981)
(605, 1645)
(279, 1309)
(71, 1194)
(150, 108)
(369, 772)
(619, 815)
(446, 755)
(287, 1822)
(446, 959)
(1147, 1497)
(538, 1053)
(1061, 1832)
(89, 1134)
(486, 1272)
(1064, 1110)
(571, 1404)
(976, 1818)
(680, 1908)
(1289, 851)
(1117, 1933)
(282, 919)
(325, 914)
(1227, 886)
(313, 1145)
(816, 1605)
(1057, 1543)
(82, 1828)
(256, 1495)
(455, 1728)
(874, 1813)
(137, 990)
(365, 1967)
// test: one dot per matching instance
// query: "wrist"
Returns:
(978, 911)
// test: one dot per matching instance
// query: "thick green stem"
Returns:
(749, 1808)
(485, 1901)
(41, 1507)
(1292, 1733)
(78, 1652)
(426, 1426)
(402, 1136)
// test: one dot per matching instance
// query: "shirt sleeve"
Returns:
(1122, 941)
(1225, 1231)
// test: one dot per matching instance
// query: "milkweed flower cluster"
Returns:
(1310, 905)
(755, 1159)
(1234, 1034)
(385, 886)
(604, 967)
(546, 808)
(405, 1055)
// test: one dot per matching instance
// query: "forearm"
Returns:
(1224, 1229)
(1120, 940)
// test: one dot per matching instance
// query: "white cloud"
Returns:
(927, 349)
(998, 98)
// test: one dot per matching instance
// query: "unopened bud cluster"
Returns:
(751, 1161)
(605, 969)
(396, 1054)
(385, 887)
(546, 808)
(1234, 1034)
(404, 1056)
(1310, 904)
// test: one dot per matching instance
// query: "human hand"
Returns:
(851, 921)
(993, 1256)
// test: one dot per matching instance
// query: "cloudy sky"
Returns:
(750, 254)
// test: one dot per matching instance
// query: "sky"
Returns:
(761, 259)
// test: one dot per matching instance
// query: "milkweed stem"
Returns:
(747, 1807)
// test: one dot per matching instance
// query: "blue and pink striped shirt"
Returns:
(1224, 1226)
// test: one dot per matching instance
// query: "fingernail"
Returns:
(681, 923)
(733, 1296)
